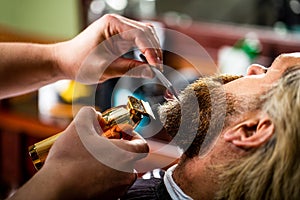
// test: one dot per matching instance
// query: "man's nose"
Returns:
(256, 69)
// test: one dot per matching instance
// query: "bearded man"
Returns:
(228, 128)
(271, 171)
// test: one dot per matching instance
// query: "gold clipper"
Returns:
(131, 114)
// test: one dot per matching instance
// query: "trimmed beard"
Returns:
(196, 121)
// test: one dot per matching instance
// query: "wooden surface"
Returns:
(20, 123)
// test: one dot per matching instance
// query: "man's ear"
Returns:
(251, 133)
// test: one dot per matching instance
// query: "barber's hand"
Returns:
(90, 165)
(95, 54)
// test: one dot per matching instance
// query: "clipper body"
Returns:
(131, 114)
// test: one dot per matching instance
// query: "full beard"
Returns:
(195, 122)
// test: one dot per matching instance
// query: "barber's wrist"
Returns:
(60, 60)
(57, 183)
(45, 184)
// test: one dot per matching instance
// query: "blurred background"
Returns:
(233, 34)
(65, 19)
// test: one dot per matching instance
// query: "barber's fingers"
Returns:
(131, 140)
(154, 39)
(142, 34)
(119, 131)
(137, 144)
(128, 67)
(92, 70)
(87, 119)
(150, 32)
(124, 137)
(153, 53)
(117, 154)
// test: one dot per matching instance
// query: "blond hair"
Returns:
(273, 170)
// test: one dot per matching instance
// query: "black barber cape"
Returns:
(148, 188)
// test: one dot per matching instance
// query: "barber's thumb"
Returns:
(134, 68)
(86, 111)
(138, 146)
(86, 122)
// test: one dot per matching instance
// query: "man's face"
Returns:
(260, 79)
(196, 117)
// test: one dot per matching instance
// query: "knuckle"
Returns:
(140, 32)
(148, 28)
(144, 148)
(87, 110)
(109, 17)
(131, 65)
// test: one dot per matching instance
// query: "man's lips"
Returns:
(168, 96)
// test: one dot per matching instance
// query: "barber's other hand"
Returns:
(88, 165)
(95, 54)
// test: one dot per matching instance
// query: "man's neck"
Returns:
(195, 178)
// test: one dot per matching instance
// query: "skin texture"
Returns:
(71, 170)
(245, 129)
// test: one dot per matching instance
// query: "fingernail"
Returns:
(159, 61)
(160, 64)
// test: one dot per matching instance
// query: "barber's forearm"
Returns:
(25, 67)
